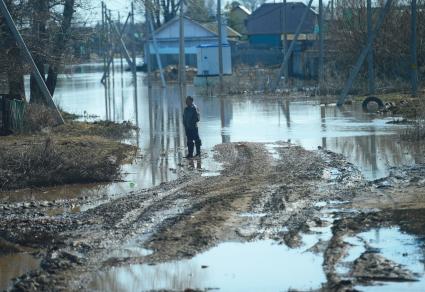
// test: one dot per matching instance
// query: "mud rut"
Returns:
(182, 218)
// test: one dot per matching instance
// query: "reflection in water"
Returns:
(401, 248)
(253, 266)
(15, 265)
(49, 194)
(146, 278)
(366, 140)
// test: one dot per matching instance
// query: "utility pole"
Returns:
(370, 67)
(104, 59)
(113, 76)
(413, 52)
(285, 42)
(24, 49)
(133, 47)
(133, 67)
(110, 45)
(182, 59)
(220, 45)
(147, 45)
(109, 59)
(156, 48)
(275, 84)
(321, 43)
(121, 27)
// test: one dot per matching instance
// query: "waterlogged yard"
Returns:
(291, 193)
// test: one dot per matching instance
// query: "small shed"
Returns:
(207, 60)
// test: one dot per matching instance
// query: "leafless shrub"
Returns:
(348, 35)
(38, 117)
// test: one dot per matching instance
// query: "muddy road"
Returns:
(278, 192)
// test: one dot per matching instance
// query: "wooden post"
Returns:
(285, 42)
(220, 45)
(321, 45)
(413, 50)
(182, 57)
(133, 67)
(370, 67)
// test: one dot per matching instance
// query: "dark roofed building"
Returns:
(267, 24)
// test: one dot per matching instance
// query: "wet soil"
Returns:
(272, 193)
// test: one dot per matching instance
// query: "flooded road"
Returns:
(249, 216)
(365, 139)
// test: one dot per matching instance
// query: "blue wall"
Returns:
(265, 39)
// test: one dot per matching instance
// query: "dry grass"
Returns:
(50, 160)
(105, 129)
(76, 152)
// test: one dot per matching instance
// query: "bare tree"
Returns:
(252, 4)
(347, 35)
(50, 33)
(11, 60)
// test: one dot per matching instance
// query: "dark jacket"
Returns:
(190, 117)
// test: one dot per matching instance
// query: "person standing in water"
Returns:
(191, 118)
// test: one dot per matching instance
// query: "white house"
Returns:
(196, 34)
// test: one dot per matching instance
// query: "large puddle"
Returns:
(399, 247)
(268, 266)
(253, 266)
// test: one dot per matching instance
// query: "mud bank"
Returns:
(278, 192)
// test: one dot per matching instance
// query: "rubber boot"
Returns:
(198, 150)
(190, 150)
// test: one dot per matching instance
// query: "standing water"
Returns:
(365, 139)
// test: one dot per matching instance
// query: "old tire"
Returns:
(378, 101)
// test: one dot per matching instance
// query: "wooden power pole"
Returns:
(220, 45)
(182, 59)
